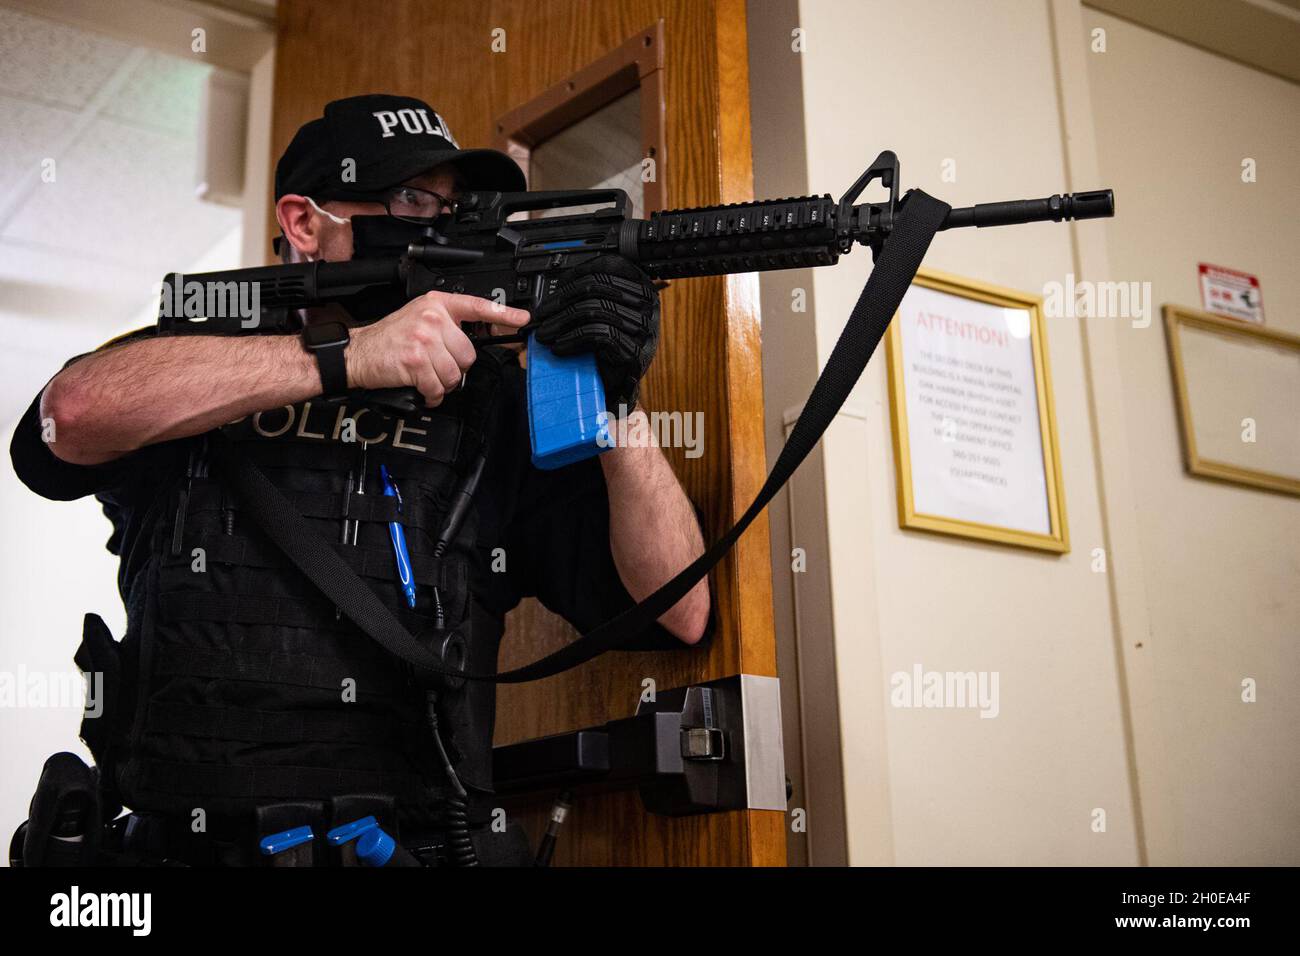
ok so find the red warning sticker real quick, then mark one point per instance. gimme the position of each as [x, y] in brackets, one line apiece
[1231, 293]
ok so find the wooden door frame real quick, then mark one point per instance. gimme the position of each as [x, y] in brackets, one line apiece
[711, 358]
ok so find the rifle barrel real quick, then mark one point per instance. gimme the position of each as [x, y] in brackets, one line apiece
[1097, 204]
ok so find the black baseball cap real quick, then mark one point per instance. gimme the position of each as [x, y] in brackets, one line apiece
[388, 139]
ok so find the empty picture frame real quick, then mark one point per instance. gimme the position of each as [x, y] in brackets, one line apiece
[1238, 396]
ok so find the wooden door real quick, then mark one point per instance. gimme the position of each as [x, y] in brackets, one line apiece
[475, 61]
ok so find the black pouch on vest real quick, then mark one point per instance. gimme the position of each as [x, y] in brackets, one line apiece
[98, 655]
[64, 821]
[509, 848]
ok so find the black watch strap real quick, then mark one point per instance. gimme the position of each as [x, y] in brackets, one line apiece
[328, 341]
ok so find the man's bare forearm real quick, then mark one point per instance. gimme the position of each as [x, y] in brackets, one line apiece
[124, 398]
[654, 534]
[115, 401]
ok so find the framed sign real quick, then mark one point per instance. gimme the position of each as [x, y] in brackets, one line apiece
[974, 428]
[1238, 389]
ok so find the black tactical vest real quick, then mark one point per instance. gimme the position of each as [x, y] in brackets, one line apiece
[242, 684]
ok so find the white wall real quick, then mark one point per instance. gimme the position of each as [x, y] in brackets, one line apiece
[946, 786]
[259, 169]
[1019, 788]
[54, 570]
[1222, 562]
[1119, 690]
[85, 276]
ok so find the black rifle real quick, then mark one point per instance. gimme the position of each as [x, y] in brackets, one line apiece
[479, 250]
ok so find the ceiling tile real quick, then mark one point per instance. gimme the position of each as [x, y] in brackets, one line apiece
[80, 256]
[30, 132]
[161, 91]
[127, 195]
[53, 62]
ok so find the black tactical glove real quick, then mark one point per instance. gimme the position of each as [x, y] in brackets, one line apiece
[610, 307]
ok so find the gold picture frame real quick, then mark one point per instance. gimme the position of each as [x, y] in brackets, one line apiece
[1057, 540]
[1176, 318]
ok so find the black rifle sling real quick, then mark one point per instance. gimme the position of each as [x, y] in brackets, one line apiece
[900, 257]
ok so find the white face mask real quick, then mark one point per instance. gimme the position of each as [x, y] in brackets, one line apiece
[328, 215]
[341, 222]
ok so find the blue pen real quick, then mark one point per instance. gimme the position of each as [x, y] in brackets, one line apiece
[398, 536]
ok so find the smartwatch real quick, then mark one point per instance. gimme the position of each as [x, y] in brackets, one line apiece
[327, 342]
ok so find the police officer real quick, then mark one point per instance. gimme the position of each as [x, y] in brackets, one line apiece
[241, 697]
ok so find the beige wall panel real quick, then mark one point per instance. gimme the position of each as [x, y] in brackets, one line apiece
[977, 96]
[1222, 562]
